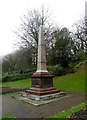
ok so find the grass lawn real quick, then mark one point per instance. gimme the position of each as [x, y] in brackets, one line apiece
[74, 82]
[69, 112]
[71, 82]
[20, 83]
[8, 117]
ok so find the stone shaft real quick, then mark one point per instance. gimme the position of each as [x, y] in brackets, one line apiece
[42, 80]
[41, 63]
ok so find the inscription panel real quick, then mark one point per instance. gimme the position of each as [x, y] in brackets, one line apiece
[47, 82]
[35, 82]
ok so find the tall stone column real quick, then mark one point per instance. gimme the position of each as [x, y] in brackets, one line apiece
[41, 63]
[42, 81]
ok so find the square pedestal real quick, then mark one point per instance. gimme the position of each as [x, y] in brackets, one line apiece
[42, 84]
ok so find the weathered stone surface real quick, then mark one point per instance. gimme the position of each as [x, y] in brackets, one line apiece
[40, 100]
[41, 64]
[42, 91]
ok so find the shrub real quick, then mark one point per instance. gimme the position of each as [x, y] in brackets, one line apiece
[15, 77]
[58, 70]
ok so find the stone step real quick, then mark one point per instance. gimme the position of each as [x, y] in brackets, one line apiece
[42, 89]
[41, 92]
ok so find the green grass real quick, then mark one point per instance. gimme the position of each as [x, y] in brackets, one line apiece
[69, 112]
[74, 82]
[71, 82]
[8, 117]
[19, 84]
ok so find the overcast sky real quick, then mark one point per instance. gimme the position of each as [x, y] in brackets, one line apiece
[65, 13]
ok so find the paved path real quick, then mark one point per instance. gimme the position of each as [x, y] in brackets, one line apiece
[20, 109]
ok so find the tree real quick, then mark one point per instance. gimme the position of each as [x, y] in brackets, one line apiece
[28, 31]
[8, 63]
[19, 60]
[79, 37]
[62, 48]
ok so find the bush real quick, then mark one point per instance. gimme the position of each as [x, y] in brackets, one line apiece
[15, 77]
[57, 70]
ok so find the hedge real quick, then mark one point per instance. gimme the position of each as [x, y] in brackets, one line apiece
[15, 77]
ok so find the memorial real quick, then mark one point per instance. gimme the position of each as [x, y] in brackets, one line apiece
[42, 90]
[42, 81]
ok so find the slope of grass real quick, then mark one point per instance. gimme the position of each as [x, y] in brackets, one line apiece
[69, 112]
[72, 82]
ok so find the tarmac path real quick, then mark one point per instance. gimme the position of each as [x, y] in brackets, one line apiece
[20, 109]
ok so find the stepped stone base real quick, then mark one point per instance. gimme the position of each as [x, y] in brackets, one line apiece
[40, 100]
[41, 91]
[46, 97]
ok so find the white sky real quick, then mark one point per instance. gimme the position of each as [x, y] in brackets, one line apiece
[65, 12]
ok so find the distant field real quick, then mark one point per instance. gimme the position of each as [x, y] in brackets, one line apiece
[72, 82]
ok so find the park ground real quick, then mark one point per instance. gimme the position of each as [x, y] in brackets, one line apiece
[73, 83]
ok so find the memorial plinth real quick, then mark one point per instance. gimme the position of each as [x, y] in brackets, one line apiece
[42, 81]
[42, 84]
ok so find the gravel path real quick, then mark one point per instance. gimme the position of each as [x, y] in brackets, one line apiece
[20, 109]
